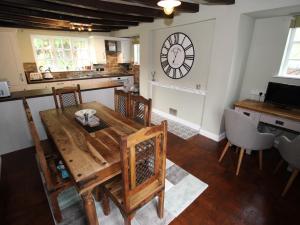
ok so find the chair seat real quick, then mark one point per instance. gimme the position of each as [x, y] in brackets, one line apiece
[115, 188]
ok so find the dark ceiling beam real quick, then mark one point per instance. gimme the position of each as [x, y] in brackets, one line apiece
[73, 11]
[218, 2]
[184, 7]
[24, 25]
[57, 23]
[111, 7]
[55, 16]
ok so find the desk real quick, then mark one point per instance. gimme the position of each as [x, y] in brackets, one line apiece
[91, 158]
[270, 114]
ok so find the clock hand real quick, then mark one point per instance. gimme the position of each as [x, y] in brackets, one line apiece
[175, 56]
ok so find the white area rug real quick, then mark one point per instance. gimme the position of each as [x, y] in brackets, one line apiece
[182, 189]
[174, 127]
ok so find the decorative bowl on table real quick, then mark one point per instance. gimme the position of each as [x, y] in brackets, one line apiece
[87, 117]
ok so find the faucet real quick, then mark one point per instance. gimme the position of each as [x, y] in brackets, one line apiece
[41, 68]
[48, 70]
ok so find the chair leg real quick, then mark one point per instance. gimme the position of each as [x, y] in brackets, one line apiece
[224, 151]
[55, 207]
[290, 182]
[279, 165]
[127, 219]
[260, 159]
[98, 193]
[242, 152]
[160, 206]
[105, 204]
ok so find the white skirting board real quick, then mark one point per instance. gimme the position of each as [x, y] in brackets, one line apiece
[210, 135]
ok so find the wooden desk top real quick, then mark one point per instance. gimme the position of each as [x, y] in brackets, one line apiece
[88, 154]
[269, 109]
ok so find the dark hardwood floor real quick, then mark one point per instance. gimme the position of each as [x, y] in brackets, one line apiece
[253, 198]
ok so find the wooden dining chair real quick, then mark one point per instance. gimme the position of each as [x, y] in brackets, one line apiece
[143, 159]
[122, 101]
[55, 184]
[67, 96]
[140, 109]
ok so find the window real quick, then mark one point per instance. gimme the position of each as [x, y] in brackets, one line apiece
[290, 65]
[61, 53]
[136, 54]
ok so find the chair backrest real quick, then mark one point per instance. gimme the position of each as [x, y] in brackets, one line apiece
[143, 156]
[122, 101]
[240, 129]
[38, 147]
[140, 109]
[68, 96]
[290, 150]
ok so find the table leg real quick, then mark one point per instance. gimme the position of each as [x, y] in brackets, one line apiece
[90, 208]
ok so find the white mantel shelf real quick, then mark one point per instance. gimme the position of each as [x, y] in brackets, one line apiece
[177, 88]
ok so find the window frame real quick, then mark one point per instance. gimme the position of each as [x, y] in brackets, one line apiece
[285, 59]
[137, 62]
[51, 38]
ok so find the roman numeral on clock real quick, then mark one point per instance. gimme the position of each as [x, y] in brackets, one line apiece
[188, 47]
[176, 38]
[186, 66]
[168, 70]
[164, 64]
[163, 56]
[174, 73]
[170, 40]
[189, 57]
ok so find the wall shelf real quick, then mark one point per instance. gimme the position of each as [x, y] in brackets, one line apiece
[177, 88]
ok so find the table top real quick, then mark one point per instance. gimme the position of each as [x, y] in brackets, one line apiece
[88, 154]
[263, 107]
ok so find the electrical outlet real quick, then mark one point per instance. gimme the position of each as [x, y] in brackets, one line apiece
[173, 111]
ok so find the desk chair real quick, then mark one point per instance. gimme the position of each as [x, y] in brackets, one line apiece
[290, 152]
[242, 132]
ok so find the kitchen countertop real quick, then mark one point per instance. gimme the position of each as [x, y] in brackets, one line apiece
[100, 75]
[47, 92]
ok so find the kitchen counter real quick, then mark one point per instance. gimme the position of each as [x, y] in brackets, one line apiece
[93, 75]
[47, 92]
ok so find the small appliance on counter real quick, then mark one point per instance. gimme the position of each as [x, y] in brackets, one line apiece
[4, 89]
[48, 75]
[35, 76]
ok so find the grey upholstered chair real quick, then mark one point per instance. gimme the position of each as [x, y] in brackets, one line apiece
[242, 132]
[290, 152]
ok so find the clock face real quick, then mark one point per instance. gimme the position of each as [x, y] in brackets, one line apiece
[177, 55]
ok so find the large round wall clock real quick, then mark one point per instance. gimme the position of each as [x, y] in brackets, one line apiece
[177, 55]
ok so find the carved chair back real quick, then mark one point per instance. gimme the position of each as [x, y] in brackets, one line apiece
[68, 96]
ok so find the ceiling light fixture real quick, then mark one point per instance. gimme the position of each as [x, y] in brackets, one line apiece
[81, 27]
[169, 5]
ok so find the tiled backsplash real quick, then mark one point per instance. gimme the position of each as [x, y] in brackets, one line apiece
[111, 66]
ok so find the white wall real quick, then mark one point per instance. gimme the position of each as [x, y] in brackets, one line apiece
[266, 51]
[225, 64]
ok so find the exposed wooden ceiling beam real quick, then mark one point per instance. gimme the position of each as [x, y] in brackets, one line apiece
[111, 7]
[50, 22]
[217, 2]
[57, 23]
[73, 11]
[184, 7]
[55, 16]
[24, 25]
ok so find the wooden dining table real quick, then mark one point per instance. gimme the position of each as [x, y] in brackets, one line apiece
[91, 157]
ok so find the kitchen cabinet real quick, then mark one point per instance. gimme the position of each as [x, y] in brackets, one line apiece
[10, 63]
[97, 50]
[125, 54]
